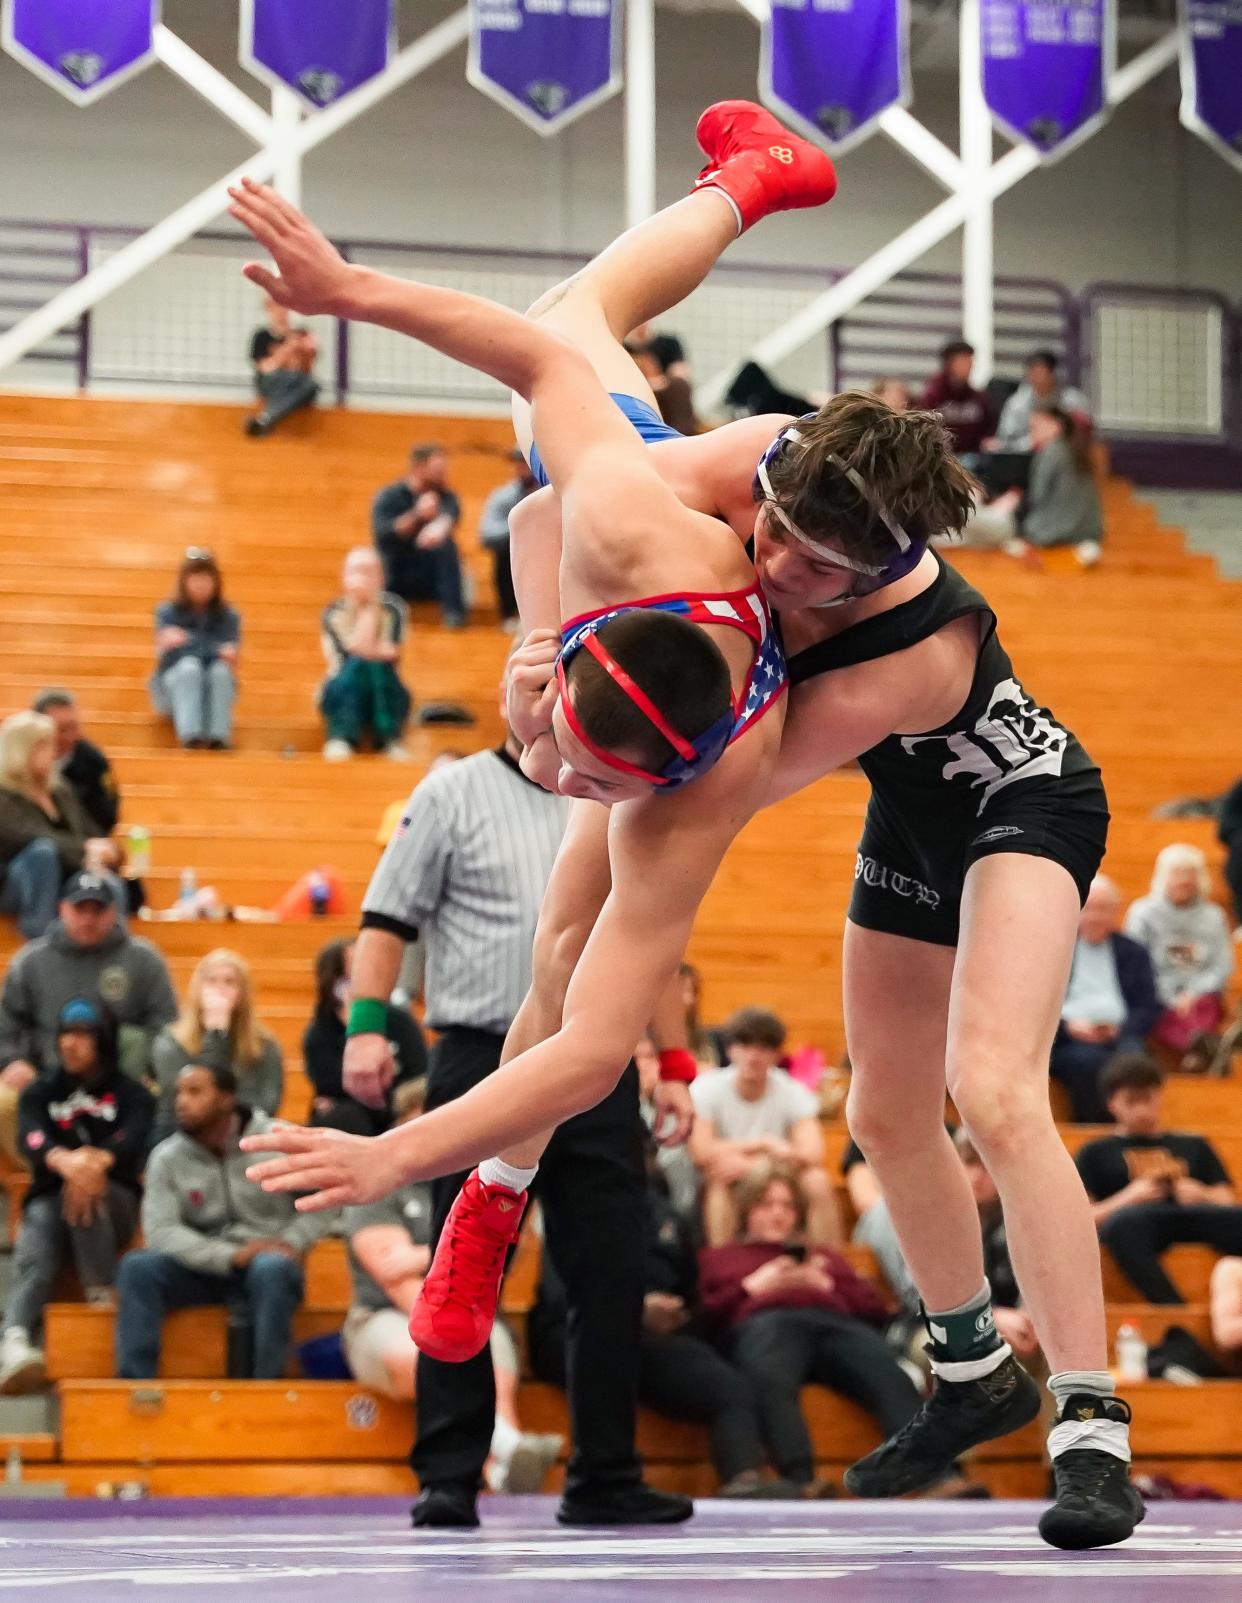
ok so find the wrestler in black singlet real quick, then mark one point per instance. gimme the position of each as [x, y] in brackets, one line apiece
[1001, 776]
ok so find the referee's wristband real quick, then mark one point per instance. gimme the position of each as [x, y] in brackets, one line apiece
[367, 1016]
[678, 1064]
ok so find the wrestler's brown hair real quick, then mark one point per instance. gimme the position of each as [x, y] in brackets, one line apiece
[906, 460]
[673, 662]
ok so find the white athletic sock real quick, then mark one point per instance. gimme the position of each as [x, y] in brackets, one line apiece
[496, 1172]
[1105, 1435]
[725, 196]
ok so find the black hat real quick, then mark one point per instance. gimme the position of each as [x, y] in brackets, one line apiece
[88, 887]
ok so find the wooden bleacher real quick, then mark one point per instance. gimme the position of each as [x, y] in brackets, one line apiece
[100, 499]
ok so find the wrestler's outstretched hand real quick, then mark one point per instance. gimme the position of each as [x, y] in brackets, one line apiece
[313, 273]
[333, 1169]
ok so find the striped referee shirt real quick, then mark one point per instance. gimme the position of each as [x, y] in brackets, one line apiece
[467, 869]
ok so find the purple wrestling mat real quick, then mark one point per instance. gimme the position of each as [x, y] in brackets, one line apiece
[363, 1551]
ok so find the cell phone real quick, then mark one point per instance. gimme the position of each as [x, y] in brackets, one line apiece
[796, 1250]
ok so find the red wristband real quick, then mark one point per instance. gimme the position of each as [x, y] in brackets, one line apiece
[678, 1064]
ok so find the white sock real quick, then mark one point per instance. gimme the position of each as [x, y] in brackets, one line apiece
[496, 1172]
[725, 196]
[1105, 1435]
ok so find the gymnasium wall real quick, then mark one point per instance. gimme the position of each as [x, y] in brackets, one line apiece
[440, 163]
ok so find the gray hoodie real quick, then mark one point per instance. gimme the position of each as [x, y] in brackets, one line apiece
[199, 1208]
[124, 971]
[1189, 947]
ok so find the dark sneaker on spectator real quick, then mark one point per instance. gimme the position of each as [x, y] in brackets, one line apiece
[1096, 1504]
[751, 1485]
[957, 1416]
[628, 1505]
[445, 1508]
[257, 425]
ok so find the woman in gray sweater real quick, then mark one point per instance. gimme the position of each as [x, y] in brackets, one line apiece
[1061, 505]
[217, 1029]
[1187, 938]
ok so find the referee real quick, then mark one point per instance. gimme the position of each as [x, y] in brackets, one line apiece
[466, 870]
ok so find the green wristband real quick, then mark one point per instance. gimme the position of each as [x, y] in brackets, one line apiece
[367, 1016]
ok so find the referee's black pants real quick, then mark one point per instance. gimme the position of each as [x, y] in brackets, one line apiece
[592, 1187]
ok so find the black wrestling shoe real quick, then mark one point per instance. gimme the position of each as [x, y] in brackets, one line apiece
[445, 1508]
[628, 1505]
[958, 1415]
[1096, 1502]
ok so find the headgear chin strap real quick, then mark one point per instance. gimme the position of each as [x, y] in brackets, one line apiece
[872, 576]
[693, 757]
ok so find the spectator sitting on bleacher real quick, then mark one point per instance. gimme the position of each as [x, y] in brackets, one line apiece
[1110, 1004]
[751, 1112]
[494, 536]
[412, 524]
[217, 1028]
[323, 1049]
[1039, 389]
[706, 1043]
[1229, 831]
[85, 952]
[1061, 504]
[212, 1236]
[966, 411]
[84, 1131]
[43, 828]
[681, 1375]
[197, 635]
[282, 359]
[1226, 1311]
[1187, 938]
[791, 1314]
[389, 1254]
[363, 696]
[1152, 1187]
[80, 763]
[673, 395]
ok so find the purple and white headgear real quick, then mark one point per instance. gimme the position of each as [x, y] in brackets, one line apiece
[906, 556]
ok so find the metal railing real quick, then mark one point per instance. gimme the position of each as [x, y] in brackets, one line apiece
[1158, 364]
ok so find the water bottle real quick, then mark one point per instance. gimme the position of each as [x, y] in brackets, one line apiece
[139, 850]
[1131, 1354]
[319, 892]
[189, 885]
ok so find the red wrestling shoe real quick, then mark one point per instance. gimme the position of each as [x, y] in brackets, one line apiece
[453, 1316]
[759, 164]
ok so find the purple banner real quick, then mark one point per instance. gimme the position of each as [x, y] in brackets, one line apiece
[321, 48]
[1211, 48]
[82, 47]
[831, 67]
[1046, 66]
[547, 61]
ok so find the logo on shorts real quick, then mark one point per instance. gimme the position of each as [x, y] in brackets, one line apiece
[985, 1324]
[997, 832]
[1013, 739]
[882, 878]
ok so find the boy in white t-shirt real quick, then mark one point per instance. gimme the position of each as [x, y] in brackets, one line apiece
[754, 1111]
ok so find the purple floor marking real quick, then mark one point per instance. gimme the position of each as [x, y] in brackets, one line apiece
[325, 1551]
